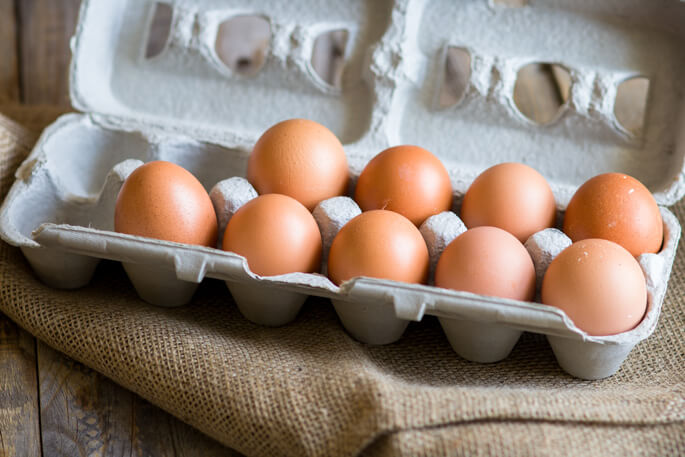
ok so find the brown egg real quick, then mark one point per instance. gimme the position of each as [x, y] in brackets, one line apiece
[301, 159]
[599, 285]
[379, 244]
[487, 261]
[276, 234]
[406, 179]
[163, 200]
[618, 208]
[511, 196]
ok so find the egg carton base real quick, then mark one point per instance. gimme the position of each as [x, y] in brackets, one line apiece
[369, 321]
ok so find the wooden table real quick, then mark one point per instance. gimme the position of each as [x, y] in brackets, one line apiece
[50, 404]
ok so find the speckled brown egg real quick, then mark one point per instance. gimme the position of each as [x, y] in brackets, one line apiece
[406, 179]
[165, 201]
[379, 244]
[487, 261]
[299, 158]
[511, 196]
[599, 285]
[618, 208]
[276, 234]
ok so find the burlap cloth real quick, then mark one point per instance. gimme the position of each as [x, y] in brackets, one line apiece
[310, 389]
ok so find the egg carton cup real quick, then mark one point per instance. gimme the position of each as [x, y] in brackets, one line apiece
[185, 105]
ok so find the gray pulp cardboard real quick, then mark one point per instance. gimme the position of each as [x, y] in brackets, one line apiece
[186, 106]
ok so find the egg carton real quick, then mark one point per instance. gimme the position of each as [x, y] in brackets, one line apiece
[186, 106]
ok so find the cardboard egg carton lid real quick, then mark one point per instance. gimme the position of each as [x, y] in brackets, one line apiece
[395, 61]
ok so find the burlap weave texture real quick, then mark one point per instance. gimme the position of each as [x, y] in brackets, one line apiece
[310, 389]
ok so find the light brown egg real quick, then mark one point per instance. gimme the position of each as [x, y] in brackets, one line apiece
[299, 158]
[379, 244]
[165, 201]
[511, 196]
[406, 179]
[599, 285]
[276, 234]
[618, 208]
[487, 261]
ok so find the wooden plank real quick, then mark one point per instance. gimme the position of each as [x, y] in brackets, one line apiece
[85, 414]
[160, 434]
[19, 426]
[9, 74]
[81, 414]
[19, 414]
[45, 27]
[33, 118]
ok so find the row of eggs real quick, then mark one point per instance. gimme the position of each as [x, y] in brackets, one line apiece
[298, 163]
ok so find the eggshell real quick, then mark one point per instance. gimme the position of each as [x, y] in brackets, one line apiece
[599, 285]
[487, 261]
[379, 244]
[406, 179]
[276, 234]
[165, 201]
[618, 208]
[299, 158]
[511, 196]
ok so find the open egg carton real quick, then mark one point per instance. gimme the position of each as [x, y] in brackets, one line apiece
[187, 102]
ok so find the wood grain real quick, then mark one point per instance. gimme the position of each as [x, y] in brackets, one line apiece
[9, 74]
[45, 27]
[19, 427]
[19, 413]
[85, 414]
[160, 434]
[80, 414]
